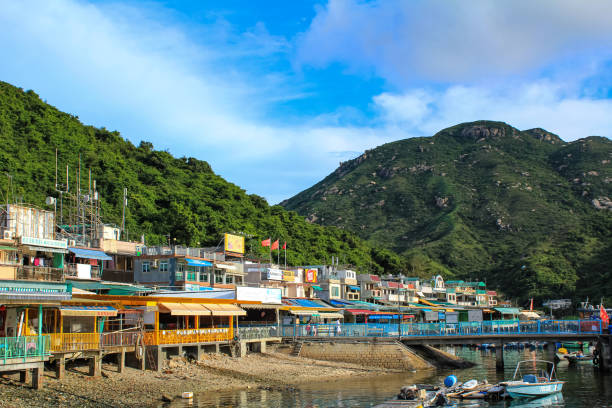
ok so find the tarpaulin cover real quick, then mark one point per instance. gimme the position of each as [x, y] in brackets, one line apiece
[90, 254]
[197, 262]
[507, 310]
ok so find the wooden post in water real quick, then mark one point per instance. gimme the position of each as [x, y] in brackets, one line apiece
[499, 356]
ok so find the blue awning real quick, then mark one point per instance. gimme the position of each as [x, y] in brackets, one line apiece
[197, 262]
[90, 254]
[353, 287]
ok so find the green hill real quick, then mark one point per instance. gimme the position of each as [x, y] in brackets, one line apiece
[181, 197]
[524, 210]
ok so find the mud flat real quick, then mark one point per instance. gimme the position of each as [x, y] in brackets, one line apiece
[136, 388]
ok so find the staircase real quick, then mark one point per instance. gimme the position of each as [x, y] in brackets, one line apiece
[297, 349]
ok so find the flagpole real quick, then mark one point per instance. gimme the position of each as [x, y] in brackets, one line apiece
[285, 255]
[270, 248]
[278, 256]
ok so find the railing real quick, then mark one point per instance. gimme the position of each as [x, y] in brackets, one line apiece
[74, 342]
[42, 273]
[23, 348]
[257, 332]
[71, 270]
[122, 338]
[496, 327]
[187, 336]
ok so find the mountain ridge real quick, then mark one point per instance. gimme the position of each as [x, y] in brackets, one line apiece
[480, 199]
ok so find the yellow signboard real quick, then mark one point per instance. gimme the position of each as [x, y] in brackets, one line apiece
[289, 276]
[234, 243]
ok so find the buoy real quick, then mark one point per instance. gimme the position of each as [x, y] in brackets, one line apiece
[450, 381]
[188, 395]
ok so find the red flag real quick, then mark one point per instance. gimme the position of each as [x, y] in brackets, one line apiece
[274, 245]
[265, 242]
[285, 245]
[603, 315]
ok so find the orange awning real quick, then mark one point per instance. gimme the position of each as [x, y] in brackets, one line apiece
[224, 309]
[184, 309]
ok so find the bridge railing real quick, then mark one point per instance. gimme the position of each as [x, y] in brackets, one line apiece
[495, 327]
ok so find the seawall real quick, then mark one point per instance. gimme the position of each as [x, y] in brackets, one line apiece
[390, 355]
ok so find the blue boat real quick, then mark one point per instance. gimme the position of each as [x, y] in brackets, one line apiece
[531, 381]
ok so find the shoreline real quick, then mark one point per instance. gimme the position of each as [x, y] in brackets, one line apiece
[214, 373]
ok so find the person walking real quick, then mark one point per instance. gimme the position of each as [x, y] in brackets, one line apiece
[338, 327]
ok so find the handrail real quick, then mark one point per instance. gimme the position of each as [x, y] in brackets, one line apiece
[23, 348]
[495, 327]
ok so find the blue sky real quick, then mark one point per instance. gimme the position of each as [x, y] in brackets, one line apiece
[274, 94]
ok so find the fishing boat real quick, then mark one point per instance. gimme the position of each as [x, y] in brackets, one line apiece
[531, 381]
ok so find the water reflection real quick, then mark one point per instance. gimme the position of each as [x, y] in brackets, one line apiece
[585, 387]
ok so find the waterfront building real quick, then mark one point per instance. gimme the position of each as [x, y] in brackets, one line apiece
[180, 268]
[290, 281]
[371, 288]
[349, 289]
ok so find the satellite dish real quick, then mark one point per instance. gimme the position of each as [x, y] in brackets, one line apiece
[50, 200]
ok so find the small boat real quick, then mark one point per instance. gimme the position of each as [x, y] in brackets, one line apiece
[563, 358]
[528, 382]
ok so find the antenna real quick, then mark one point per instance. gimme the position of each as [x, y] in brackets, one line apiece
[124, 207]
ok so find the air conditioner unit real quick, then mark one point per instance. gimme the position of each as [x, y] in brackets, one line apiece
[7, 235]
[72, 242]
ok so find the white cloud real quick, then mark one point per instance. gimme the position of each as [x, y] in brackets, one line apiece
[205, 91]
[447, 40]
[550, 105]
[143, 74]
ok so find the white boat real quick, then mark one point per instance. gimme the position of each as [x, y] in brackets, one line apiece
[530, 381]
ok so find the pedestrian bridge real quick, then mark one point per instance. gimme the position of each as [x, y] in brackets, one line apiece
[496, 331]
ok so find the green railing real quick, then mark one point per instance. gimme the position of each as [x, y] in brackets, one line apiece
[23, 348]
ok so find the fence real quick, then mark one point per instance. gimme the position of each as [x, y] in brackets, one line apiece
[120, 338]
[187, 336]
[41, 273]
[23, 347]
[73, 342]
[443, 329]
[257, 332]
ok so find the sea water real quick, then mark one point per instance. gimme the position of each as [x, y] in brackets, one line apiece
[585, 387]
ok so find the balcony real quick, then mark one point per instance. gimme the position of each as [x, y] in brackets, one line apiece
[187, 336]
[83, 271]
[15, 350]
[39, 273]
[73, 342]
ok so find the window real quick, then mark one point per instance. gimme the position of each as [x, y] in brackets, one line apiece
[179, 276]
[180, 267]
[218, 277]
[163, 266]
[229, 279]
[191, 276]
[335, 291]
[203, 275]
[146, 267]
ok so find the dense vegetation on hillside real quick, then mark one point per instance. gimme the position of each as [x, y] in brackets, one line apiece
[172, 197]
[524, 210]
